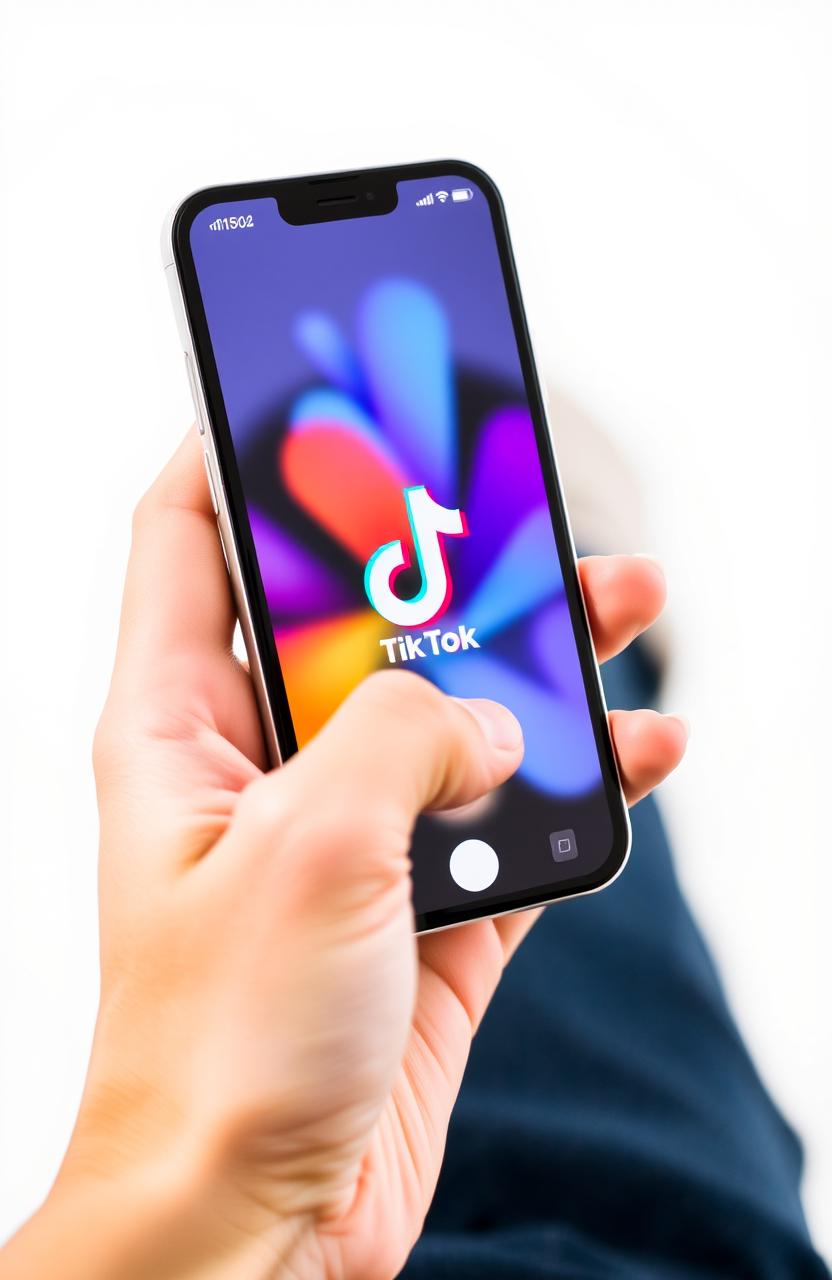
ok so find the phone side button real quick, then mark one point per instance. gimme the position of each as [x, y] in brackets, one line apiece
[212, 488]
[200, 419]
[224, 551]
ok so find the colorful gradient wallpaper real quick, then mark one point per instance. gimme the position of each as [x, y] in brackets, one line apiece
[373, 387]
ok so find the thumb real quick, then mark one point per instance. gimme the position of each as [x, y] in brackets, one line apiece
[395, 747]
[398, 743]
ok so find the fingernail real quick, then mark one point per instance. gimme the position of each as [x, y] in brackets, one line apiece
[683, 721]
[501, 728]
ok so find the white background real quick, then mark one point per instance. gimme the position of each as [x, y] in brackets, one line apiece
[666, 172]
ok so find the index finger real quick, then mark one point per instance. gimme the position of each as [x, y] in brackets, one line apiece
[177, 603]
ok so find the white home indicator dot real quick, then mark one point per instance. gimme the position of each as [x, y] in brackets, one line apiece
[474, 865]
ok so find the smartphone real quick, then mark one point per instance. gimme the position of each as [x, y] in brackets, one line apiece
[385, 487]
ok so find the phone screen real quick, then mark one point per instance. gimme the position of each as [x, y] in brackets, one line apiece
[398, 486]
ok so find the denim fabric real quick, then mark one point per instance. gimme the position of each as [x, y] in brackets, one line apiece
[611, 1122]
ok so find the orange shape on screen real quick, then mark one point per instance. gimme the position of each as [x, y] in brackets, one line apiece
[322, 662]
[348, 483]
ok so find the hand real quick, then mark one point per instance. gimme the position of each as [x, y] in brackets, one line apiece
[276, 1057]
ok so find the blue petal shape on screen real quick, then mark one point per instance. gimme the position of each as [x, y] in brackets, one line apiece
[327, 349]
[524, 575]
[404, 344]
[333, 408]
[324, 404]
[560, 757]
[505, 485]
[295, 583]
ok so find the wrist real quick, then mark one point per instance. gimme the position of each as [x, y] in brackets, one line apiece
[169, 1219]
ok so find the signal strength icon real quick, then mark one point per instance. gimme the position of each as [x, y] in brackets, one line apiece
[431, 198]
[215, 225]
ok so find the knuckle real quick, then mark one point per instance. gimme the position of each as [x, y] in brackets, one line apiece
[404, 693]
[114, 743]
[424, 722]
[411, 711]
[262, 806]
[340, 855]
[414, 710]
[144, 510]
[342, 827]
[104, 744]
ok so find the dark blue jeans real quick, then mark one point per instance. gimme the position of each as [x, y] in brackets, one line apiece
[611, 1122]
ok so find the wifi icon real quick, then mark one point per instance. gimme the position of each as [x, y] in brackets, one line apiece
[431, 198]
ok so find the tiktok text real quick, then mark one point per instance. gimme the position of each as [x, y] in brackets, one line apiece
[406, 648]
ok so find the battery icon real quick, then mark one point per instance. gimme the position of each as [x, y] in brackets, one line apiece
[462, 193]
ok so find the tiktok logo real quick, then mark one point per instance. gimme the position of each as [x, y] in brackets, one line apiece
[428, 520]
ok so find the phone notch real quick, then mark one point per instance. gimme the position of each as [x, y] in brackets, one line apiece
[335, 197]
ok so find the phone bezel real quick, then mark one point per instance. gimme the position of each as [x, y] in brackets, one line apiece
[275, 690]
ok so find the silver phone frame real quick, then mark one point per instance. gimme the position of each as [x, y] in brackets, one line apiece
[222, 510]
[238, 588]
